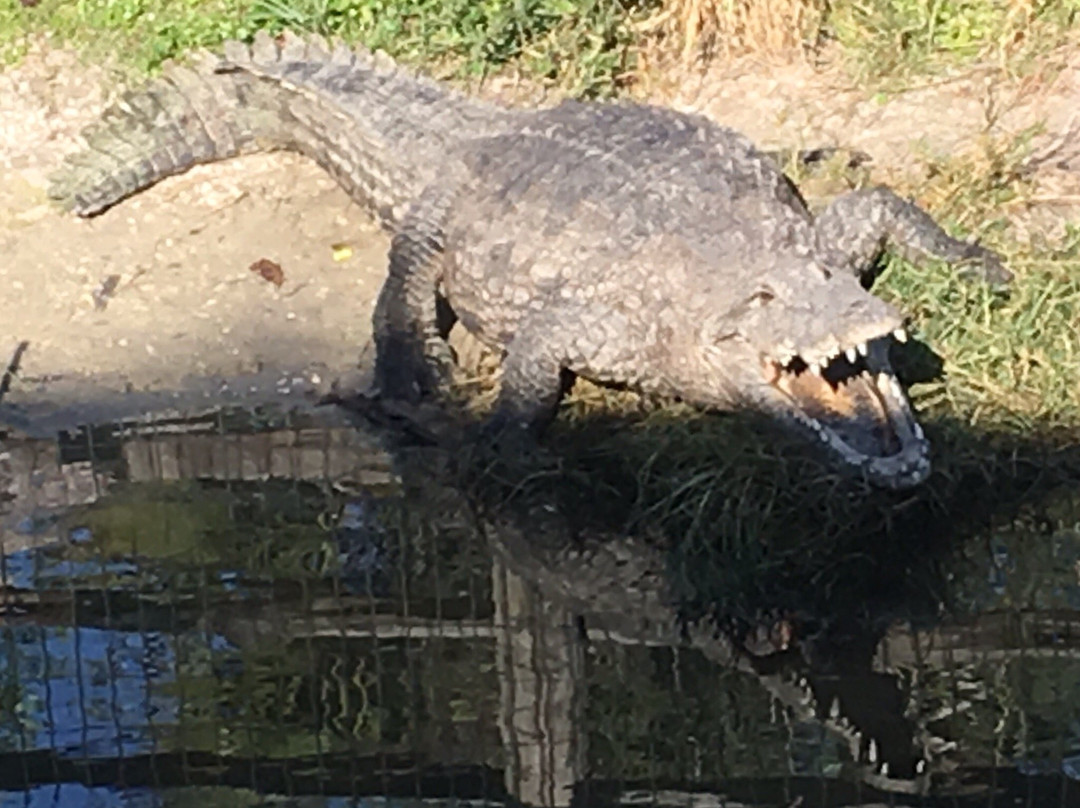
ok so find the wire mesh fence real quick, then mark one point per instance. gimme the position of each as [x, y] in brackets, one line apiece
[254, 607]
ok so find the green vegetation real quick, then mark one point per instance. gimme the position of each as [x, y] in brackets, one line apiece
[139, 34]
[585, 48]
[1012, 360]
[891, 40]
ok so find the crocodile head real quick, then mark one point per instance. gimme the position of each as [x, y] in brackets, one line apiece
[810, 347]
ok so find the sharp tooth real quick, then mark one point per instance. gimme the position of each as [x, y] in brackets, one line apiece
[871, 753]
[815, 368]
[920, 767]
[884, 769]
[918, 431]
[900, 335]
[851, 355]
[861, 348]
[834, 710]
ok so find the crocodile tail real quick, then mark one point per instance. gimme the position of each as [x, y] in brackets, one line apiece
[379, 130]
[187, 116]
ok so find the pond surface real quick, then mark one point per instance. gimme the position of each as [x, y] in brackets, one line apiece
[243, 608]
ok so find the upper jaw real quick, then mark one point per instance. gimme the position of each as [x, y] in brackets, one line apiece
[828, 349]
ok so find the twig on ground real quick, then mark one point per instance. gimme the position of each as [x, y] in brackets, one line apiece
[12, 368]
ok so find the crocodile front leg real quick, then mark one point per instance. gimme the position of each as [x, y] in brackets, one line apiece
[533, 381]
[856, 227]
[412, 359]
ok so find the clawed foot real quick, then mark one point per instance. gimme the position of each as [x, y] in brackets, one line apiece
[983, 264]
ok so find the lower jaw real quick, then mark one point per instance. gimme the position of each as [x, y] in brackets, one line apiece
[911, 475]
[902, 469]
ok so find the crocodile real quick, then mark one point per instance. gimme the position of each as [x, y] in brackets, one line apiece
[625, 243]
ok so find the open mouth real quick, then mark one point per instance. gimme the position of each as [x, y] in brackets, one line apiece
[853, 403]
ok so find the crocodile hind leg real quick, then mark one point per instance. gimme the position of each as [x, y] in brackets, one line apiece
[855, 228]
[412, 357]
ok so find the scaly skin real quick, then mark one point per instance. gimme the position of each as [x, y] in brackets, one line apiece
[379, 130]
[625, 243]
[646, 247]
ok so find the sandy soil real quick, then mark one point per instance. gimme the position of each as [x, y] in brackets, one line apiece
[189, 323]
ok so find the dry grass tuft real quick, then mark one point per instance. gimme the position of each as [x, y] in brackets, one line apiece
[732, 28]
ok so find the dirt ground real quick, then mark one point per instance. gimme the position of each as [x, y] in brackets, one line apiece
[188, 323]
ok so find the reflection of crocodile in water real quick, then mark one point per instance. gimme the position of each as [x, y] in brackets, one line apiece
[621, 588]
[629, 244]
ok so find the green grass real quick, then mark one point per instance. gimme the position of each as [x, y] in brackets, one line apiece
[890, 42]
[584, 48]
[137, 34]
[1013, 361]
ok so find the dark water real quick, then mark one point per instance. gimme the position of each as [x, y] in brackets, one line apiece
[230, 610]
